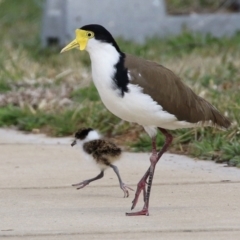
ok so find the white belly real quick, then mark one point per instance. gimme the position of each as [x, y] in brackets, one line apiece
[134, 106]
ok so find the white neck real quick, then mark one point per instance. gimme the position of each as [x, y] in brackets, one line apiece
[92, 135]
[103, 58]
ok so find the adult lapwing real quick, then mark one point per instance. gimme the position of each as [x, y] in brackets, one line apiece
[103, 152]
[144, 92]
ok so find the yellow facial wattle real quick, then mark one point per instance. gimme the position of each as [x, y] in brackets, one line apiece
[81, 40]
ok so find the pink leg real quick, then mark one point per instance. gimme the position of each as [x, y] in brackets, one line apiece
[149, 174]
[142, 183]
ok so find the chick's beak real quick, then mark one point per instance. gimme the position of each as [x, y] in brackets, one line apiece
[74, 143]
[80, 41]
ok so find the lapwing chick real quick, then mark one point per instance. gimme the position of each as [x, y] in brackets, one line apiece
[144, 92]
[103, 153]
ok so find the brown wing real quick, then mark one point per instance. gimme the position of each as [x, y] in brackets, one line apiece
[171, 93]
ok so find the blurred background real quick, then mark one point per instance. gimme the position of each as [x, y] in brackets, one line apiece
[42, 91]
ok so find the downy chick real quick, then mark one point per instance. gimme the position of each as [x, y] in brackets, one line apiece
[103, 152]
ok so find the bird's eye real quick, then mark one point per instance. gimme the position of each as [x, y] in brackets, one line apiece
[90, 34]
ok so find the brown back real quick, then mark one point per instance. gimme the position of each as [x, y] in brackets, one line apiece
[171, 93]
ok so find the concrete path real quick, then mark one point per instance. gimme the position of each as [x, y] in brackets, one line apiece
[190, 199]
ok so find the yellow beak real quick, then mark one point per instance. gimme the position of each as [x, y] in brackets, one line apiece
[80, 41]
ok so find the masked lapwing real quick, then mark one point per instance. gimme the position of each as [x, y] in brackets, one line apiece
[103, 152]
[144, 92]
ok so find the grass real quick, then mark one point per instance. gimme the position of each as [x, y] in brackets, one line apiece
[51, 92]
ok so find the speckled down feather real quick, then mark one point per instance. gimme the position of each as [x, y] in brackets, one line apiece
[102, 151]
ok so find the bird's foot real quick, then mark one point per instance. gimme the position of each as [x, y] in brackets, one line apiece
[143, 212]
[81, 184]
[125, 188]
